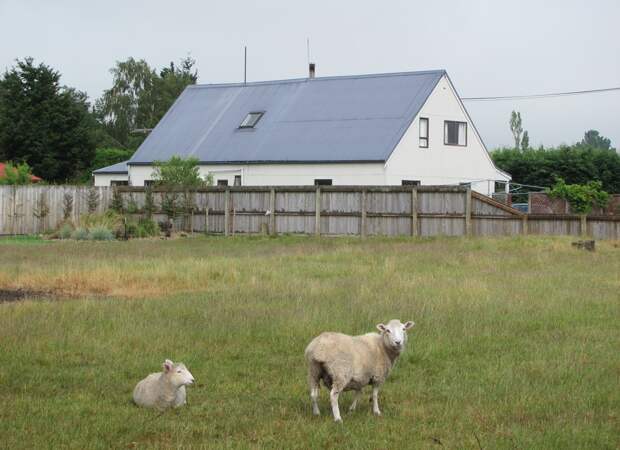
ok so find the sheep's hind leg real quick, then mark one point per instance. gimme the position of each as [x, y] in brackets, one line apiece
[313, 381]
[356, 397]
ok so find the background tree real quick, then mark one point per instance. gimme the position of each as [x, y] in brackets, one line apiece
[516, 128]
[139, 97]
[592, 138]
[576, 164]
[525, 141]
[44, 124]
[129, 103]
[105, 157]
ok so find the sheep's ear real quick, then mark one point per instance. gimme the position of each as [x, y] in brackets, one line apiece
[409, 324]
[167, 365]
[381, 327]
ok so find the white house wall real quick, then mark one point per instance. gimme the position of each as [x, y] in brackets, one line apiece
[439, 163]
[106, 179]
[281, 174]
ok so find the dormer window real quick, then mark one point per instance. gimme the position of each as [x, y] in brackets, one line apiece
[251, 119]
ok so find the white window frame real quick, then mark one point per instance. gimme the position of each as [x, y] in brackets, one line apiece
[459, 143]
[424, 138]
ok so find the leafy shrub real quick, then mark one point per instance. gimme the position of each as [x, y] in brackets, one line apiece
[16, 174]
[100, 233]
[65, 231]
[80, 234]
[581, 197]
[576, 164]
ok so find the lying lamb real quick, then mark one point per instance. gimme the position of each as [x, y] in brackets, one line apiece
[165, 389]
[351, 362]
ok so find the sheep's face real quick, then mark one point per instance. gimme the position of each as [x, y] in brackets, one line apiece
[178, 373]
[395, 334]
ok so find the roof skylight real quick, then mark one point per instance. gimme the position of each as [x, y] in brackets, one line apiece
[251, 119]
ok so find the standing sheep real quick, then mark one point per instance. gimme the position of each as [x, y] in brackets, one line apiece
[165, 389]
[346, 363]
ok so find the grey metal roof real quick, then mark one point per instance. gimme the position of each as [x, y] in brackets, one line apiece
[117, 168]
[331, 119]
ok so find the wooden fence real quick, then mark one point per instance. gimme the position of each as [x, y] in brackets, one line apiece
[324, 210]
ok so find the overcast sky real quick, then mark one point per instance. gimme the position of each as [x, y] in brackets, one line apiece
[489, 47]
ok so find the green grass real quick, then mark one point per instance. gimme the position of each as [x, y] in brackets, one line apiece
[27, 239]
[516, 343]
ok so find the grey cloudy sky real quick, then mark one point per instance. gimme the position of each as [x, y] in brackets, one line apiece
[489, 47]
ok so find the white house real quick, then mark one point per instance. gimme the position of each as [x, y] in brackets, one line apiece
[387, 129]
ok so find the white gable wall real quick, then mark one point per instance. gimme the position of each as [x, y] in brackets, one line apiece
[439, 163]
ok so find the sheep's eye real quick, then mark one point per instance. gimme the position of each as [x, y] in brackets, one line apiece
[387, 330]
[178, 371]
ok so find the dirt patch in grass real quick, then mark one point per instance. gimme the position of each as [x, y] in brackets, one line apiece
[15, 295]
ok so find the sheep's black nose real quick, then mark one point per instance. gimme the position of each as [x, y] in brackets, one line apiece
[397, 342]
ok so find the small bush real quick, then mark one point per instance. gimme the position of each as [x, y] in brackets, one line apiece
[80, 234]
[142, 229]
[65, 231]
[131, 228]
[109, 219]
[147, 228]
[100, 233]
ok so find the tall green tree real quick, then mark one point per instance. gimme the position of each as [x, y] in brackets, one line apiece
[593, 138]
[129, 103]
[139, 97]
[43, 123]
[525, 141]
[516, 127]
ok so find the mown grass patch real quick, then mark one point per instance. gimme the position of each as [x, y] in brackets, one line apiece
[515, 345]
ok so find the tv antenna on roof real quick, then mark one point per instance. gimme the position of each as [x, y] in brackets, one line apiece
[245, 64]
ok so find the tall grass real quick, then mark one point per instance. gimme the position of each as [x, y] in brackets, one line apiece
[515, 345]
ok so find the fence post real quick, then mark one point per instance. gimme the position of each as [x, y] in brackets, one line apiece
[363, 219]
[468, 212]
[206, 219]
[414, 212]
[524, 227]
[272, 209]
[317, 214]
[226, 211]
[232, 226]
[583, 228]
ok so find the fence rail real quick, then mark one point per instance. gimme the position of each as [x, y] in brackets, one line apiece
[324, 210]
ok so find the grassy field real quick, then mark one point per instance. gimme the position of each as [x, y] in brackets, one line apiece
[516, 344]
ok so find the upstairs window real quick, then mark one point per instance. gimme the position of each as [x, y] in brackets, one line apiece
[455, 133]
[222, 182]
[251, 119]
[423, 132]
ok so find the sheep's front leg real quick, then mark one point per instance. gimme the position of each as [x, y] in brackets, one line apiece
[356, 397]
[375, 401]
[333, 396]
